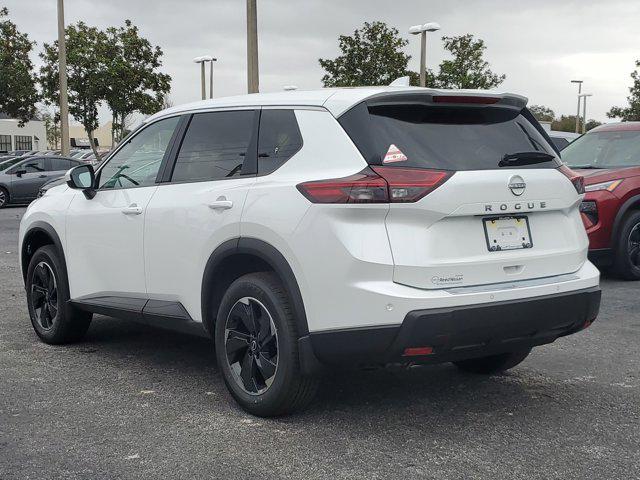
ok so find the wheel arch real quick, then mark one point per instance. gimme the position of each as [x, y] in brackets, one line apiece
[38, 235]
[237, 257]
[632, 203]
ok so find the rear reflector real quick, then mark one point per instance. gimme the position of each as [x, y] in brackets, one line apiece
[576, 179]
[417, 351]
[465, 99]
[377, 184]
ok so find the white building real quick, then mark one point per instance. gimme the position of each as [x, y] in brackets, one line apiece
[32, 136]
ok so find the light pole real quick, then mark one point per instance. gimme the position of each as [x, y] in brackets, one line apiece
[211, 77]
[422, 30]
[579, 82]
[62, 68]
[252, 47]
[202, 60]
[584, 110]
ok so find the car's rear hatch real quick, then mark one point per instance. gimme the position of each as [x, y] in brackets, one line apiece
[483, 223]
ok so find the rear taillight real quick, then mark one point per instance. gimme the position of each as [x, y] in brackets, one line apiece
[576, 179]
[376, 185]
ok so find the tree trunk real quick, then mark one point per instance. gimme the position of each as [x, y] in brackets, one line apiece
[93, 145]
[114, 122]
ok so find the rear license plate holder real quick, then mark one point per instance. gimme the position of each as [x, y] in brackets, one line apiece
[508, 232]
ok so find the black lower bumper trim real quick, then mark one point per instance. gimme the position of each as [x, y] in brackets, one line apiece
[461, 332]
[602, 257]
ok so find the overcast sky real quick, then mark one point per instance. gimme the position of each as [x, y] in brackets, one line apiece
[540, 45]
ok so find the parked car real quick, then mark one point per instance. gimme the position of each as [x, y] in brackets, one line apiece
[22, 178]
[20, 153]
[309, 230]
[609, 159]
[562, 139]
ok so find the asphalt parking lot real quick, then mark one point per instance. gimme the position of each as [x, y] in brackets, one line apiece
[135, 402]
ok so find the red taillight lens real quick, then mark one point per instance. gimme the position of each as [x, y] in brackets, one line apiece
[380, 185]
[363, 187]
[411, 184]
[577, 180]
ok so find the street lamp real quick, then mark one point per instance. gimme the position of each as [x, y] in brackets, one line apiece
[422, 30]
[202, 60]
[62, 72]
[252, 47]
[579, 82]
[584, 110]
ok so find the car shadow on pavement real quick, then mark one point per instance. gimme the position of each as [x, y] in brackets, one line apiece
[187, 363]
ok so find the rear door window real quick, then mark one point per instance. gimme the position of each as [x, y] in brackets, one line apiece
[35, 165]
[447, 138]
[279, 139]
[60, 164]
[214, 146]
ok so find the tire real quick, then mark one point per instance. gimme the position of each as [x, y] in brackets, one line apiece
[53, 319]
[626, 263]
[259, 359]
[494, 363]
[4, 197]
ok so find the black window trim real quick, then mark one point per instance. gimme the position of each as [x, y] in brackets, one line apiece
[251, 157]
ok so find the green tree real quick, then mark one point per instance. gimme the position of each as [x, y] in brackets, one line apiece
[86, 73]
[132, 80]
[591, 124]
[630, 113]
[468, 68]
[18, 94]
[542, 113]
[52, 127]
[371, 56]
[566, 123]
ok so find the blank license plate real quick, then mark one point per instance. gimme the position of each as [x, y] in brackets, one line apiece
[507, 233]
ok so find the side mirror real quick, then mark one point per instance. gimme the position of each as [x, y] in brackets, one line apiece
[82, 178]
[20, 172]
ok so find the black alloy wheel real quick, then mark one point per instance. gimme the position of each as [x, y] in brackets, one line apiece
[633, 246]
[251, 345]
[44, 296]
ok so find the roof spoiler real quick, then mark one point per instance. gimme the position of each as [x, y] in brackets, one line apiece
[450, 97]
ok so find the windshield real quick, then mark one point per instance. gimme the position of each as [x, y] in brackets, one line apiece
[449, 138]
[8, 163]
[604, 150]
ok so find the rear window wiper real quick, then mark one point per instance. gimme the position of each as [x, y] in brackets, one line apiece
[525, 158]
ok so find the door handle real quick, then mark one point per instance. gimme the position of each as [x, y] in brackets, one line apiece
[132, 209]
[221, 204]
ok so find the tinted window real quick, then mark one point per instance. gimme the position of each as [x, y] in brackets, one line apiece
[60, 164]
[449, 138]
[560, 142]
[9, 163]
[34, 165]
[604, 150]
[214, 146]
[279, 139]
[137, 163]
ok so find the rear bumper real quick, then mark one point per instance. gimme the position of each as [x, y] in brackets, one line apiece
[457, 333]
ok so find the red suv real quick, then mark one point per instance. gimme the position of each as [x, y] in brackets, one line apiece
[609, 159]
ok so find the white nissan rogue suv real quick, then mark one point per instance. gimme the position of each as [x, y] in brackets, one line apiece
[338, 227]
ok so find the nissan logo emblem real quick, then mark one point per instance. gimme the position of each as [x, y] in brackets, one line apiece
[516, 185]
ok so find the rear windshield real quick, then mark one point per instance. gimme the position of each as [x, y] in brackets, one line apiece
[604, 150]
[448, 138]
